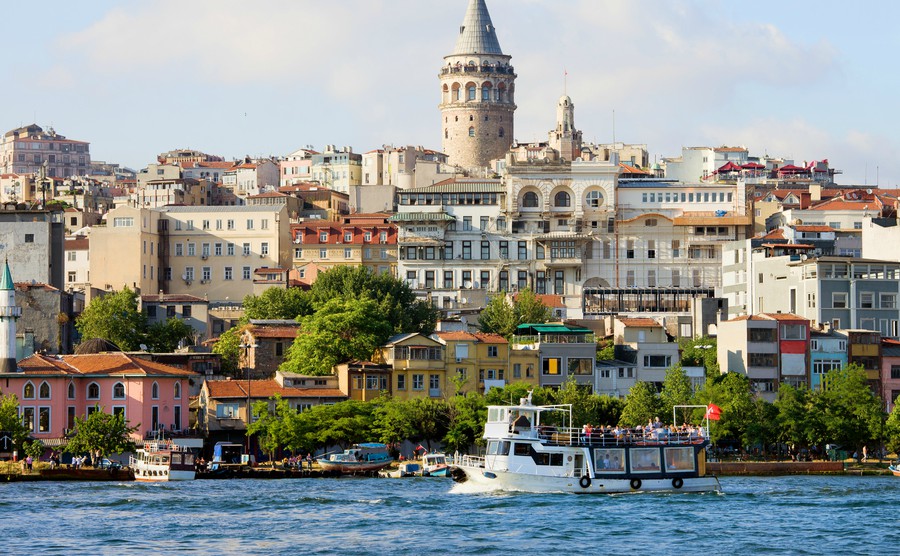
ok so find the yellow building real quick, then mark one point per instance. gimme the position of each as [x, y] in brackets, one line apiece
[419, 370]
[484, 361]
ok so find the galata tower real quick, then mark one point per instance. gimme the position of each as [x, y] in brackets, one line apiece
[477, 94]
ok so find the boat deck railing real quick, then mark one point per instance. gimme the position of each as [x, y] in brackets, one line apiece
[467, 461]
[565, 436]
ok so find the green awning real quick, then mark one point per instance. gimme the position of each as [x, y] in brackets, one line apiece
[553, 329]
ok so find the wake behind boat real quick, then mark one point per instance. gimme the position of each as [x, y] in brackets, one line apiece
[524, 455]
[361, 458]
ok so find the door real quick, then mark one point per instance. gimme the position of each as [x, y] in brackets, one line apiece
[579, 465]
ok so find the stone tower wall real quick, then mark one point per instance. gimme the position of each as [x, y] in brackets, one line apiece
[491, 118]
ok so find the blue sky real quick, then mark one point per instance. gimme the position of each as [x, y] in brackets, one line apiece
[804, 80]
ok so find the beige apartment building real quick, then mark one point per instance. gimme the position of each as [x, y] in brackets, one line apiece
[209, 252]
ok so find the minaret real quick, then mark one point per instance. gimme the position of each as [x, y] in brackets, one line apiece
[565, 138]
[477, 94]
[9, 312]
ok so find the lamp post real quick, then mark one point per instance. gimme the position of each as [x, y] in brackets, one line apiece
[246, 346]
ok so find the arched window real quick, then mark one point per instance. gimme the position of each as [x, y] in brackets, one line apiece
[486, 91]
[93, 391]
[530, 200]
[502, 132]
[28, 391]
[471, 132]
[71, 391]
[446, 133]
[118, 392]
[177, 390]
[44, 391]
[154, 391]
[562, 199]
[594, 198]
[455, 94]
[471, 91]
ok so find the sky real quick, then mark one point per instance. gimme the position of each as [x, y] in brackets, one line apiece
[805, 80]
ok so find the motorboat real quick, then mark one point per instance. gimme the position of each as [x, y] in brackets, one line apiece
[360, 458]
[536, 449]
[161, 461]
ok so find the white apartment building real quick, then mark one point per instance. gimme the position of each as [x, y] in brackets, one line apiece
[252, 178]
[78, 264]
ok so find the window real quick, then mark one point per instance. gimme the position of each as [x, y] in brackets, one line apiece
[530, 200]
[485, 250]
[467, 250]
[28, 418]
[888, 300]
[44, 391]
[70, 391]
[839, 300]
[227, 411]
[504, 250]
[177, 390]
[551, 366]
[401, 382]
[562, 199]
[657, 361]
[348, 253]
[118, 391]
[793, 332]
[43, 419]
[523, 250]
[581, 366]
[822, 366]
[418, 382]
[93, 391]
[492, 351]
[154, 391]
[761, 360]
[217, 249]
[471, 131]
[264, 249]
[206, 273]
[249, 224]
[229, 224]
[229, 273]
[517, 370]
[594, 198]
[245, 273]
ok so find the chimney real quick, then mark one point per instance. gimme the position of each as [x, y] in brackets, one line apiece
[804, 200]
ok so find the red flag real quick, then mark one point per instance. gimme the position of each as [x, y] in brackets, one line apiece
[419, 447]
[713, 412]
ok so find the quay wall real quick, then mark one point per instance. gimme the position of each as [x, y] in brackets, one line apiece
[774, 467]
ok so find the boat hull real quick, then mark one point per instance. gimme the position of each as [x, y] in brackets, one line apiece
[148, 476]
[522, 482]
[895, 469]
[352, 468]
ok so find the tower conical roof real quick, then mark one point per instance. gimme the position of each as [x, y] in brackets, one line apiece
[6, 283]
[477, 34]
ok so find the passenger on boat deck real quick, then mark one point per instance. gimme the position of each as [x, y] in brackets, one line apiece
[587, 430]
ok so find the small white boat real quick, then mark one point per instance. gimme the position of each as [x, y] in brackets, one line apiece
[361, 458]
[160, 461]
[435, 465]
[406, 469]
[523, 455]
[895, 469]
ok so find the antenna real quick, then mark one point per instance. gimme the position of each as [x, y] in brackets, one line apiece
[614, 128]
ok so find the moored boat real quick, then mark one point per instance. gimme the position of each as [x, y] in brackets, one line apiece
[435, 465]
[160, 461]
[360, 458]
[895, 469]
[524, 455]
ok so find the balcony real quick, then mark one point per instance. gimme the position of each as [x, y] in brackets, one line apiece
[553, 339]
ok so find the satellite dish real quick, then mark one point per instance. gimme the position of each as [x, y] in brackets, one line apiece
[184, 276]
[143, 347]
[869, 191]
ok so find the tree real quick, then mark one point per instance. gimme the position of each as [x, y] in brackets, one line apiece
[676, 390]
[397, 303]
[501, 316]
[166, 336]
[851, 414]
[227, 346]
[116, 318]
[278, 303]
[497, 317]
[641, 405]
[269, 426]
[466, 416]
[35, 449]
[701, 352]
[393, 421]
[429, 418]
[11, 422]
[795, 416]
[892, 430]
[340, 330]
[101, 434]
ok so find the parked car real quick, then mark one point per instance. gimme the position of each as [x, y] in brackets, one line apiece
[107, 463]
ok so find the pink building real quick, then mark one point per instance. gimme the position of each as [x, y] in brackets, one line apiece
[52, 391]
[890, 373]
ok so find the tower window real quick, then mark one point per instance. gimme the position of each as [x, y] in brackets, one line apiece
[562, 199]
[530, 199]
[471, 92]
[456, 118]
[446, 134]
[502, 132]
[471, 118]
[472, 131]
[486, 118]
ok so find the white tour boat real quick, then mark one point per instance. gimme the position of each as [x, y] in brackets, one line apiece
[524, 455]
[161, 460]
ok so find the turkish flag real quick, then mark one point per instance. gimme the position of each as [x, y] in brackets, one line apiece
[713, 412]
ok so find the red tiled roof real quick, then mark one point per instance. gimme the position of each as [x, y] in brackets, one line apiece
[784, 316]
[490, 338]
[788, 245]
[24, 286]
[775, 234]
[275, 331]
[266, 389]
[456, 336]
[639, 322]
[78, 244]
[101, 364]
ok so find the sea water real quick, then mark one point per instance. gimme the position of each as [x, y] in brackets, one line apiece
[755, 515]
